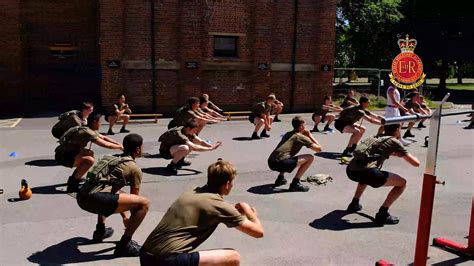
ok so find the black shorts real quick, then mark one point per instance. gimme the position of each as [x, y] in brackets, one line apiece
[339, 125]
[287, 165]
[165, 154]
[66, 158]
[178, 259]
[373, 177]
[323, 117]
[252, 118]
[103, 203]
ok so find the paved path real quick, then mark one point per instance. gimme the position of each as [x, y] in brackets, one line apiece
[300, 228]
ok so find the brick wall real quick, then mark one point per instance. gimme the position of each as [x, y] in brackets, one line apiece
[185, 32]
[10, 56]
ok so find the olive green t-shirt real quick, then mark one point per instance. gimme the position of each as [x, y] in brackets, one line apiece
[352, 114]
[260, 109]
[384, 149]
[320, 110]
[290, 144]
[182, 115]
[190, 220]
[348, 101]
[78, 140]
[127, 173]
[174, 136]
[70, 121]
[118, 107]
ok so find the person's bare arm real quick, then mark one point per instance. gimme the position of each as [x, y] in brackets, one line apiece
[372, 120]
[197, 147]
[109, 145]
[411, 159]
[252, 225]
[108, 139]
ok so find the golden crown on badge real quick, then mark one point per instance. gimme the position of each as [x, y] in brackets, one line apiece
[407, 45]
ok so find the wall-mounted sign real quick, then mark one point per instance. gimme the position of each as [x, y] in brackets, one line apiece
[191, 65]
[325, 67]
[113, 63]
[407, 68]
[262, 66]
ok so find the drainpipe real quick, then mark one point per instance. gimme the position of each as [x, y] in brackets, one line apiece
[293, 56]
[153, 52]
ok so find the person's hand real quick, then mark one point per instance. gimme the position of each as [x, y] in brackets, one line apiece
[125, 221]
[306, 132]
[121, 147]
[215, 146]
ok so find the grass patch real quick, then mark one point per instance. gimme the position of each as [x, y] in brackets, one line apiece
[466, 87]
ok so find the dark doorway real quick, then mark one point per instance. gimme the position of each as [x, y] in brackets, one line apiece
[61, 54]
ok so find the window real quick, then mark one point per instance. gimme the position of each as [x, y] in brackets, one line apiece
[225, 46]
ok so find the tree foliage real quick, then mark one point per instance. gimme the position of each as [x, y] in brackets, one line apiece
[367, 31]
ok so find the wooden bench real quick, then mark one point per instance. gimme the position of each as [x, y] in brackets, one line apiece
[152, 116]
[236, 113]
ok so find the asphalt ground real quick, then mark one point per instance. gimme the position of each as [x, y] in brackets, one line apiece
[300, 228]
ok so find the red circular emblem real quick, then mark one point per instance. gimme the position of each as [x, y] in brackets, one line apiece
[407, 67]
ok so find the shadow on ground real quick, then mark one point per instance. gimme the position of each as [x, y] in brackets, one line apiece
[68, 252]
[329, 155]
[164, 172]
[242, 138]
[51, 189]
[158, 156]
[42, 163]
[335, 221]
[266, 189]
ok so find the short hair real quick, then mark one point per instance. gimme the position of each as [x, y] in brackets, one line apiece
[296, 122]
[86, 105]
[271, 97]
[190, 124]
[120, 95]
[192, 100]
[390, 130]
[202, 100]
[219, 173]
[363, 99]
[92, 118]
[131, 142]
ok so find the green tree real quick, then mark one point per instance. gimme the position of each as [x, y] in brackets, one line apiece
[367, 32]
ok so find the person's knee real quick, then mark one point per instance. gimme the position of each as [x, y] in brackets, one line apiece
[260, 121]
[233, 257]
[403, 182]
[362, 130]
[126, 117]
[185, 148]
[145, 204]
[309, 159]
[88, 161]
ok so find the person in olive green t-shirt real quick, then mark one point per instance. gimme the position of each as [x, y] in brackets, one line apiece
[346, 123]
[284, 159]
[193, 217]
[277, 108]
[178, 142]
[72, 151]
[260, 116]
[323, 114]
[121, 111]
[365, 169]
[349, 100]
[72, 119]
[190, 112]
[99, 195]
[211, 105]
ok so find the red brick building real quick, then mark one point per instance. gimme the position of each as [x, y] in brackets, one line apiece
[238, 51]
